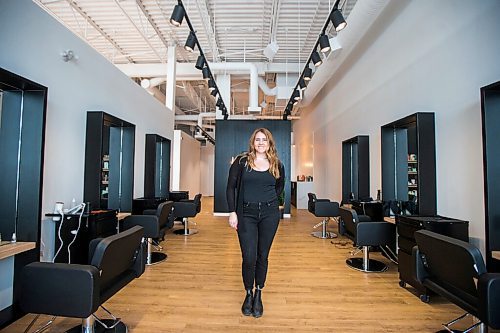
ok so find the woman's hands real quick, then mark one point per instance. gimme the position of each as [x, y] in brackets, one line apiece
[233, 220]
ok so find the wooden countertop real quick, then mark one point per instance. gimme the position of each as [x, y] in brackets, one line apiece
[121, 216]
[8, 249]
[390, 219]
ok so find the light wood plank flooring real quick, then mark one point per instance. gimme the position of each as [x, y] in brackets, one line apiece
[309, 288]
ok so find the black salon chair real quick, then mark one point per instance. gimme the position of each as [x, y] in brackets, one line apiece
[365, 233]
[73, 290]
[322, 208]
[155, 223]
[455, 270]
[185, 209]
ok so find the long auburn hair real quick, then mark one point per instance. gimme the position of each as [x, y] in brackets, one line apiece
[271, 154]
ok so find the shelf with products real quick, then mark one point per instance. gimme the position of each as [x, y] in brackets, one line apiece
[408, 163]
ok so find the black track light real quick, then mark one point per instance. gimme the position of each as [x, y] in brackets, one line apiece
[214, 92]
[302, 84]
[211, 85]
[219, 102]
[190, 42]
[338, 20]
[316, 59]
[206, 73]
[324, 43]
[226, 116]
[177, 15]
[200, 62]
[296, 96]
[307, 73]
[285, 116]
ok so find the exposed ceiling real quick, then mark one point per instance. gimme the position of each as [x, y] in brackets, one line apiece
[139, 32]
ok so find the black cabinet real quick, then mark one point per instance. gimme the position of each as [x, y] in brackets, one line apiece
[109, 162]
[490, 114]
[356, 169]
[406, 227]
[157, 167]
[74, 233]
[22, 133]
[409, 165]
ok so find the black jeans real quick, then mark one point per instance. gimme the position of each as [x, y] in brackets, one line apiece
[261, 222]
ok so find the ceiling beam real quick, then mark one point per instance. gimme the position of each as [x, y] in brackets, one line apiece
[209, 27]
[186, 71]
[152, 22]
[74, 5]
[139, 31]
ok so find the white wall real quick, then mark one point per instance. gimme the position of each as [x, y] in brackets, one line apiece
[207, 165]
[31, 42]
[420, 56]
[190, 163]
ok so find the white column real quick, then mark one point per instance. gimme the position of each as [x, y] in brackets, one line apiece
[171, 78]
[176, 161]
[224, 85]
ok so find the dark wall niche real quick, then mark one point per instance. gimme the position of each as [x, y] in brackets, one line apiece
[232, 140]
[490, 114]
[409, 164]
[109, 162]
[157, 167]
[22, 133]
[356, 168]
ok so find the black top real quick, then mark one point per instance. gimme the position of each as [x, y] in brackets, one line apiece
[235, 191]
[258, 186]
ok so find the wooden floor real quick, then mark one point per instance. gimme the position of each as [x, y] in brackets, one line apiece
[309, 288]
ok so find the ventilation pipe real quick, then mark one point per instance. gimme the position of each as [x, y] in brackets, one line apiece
[253, 98]
[360, 20]
[153, 82]
[265, 89]
[198, 118]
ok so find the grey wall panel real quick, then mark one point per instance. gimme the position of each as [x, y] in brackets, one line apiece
[232, 139]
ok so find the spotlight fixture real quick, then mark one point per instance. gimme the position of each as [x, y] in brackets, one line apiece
[338, 20]
[226, 116]
[214, 92]
[206, 73]
[219, 102]
[307, 73]
[211, 85]
[302, 84]
[324, 43]
[316, 59]
[200, 62]
[190, 42]
[177, 16]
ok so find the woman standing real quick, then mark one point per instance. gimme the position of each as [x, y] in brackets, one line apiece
[256, 180]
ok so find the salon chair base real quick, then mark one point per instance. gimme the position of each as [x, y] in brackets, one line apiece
[373, 266]
[186, 232]
[324, 235]
[156, 258]
[98, 328]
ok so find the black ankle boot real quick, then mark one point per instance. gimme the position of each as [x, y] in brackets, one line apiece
[246, 308]
[258, 308]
